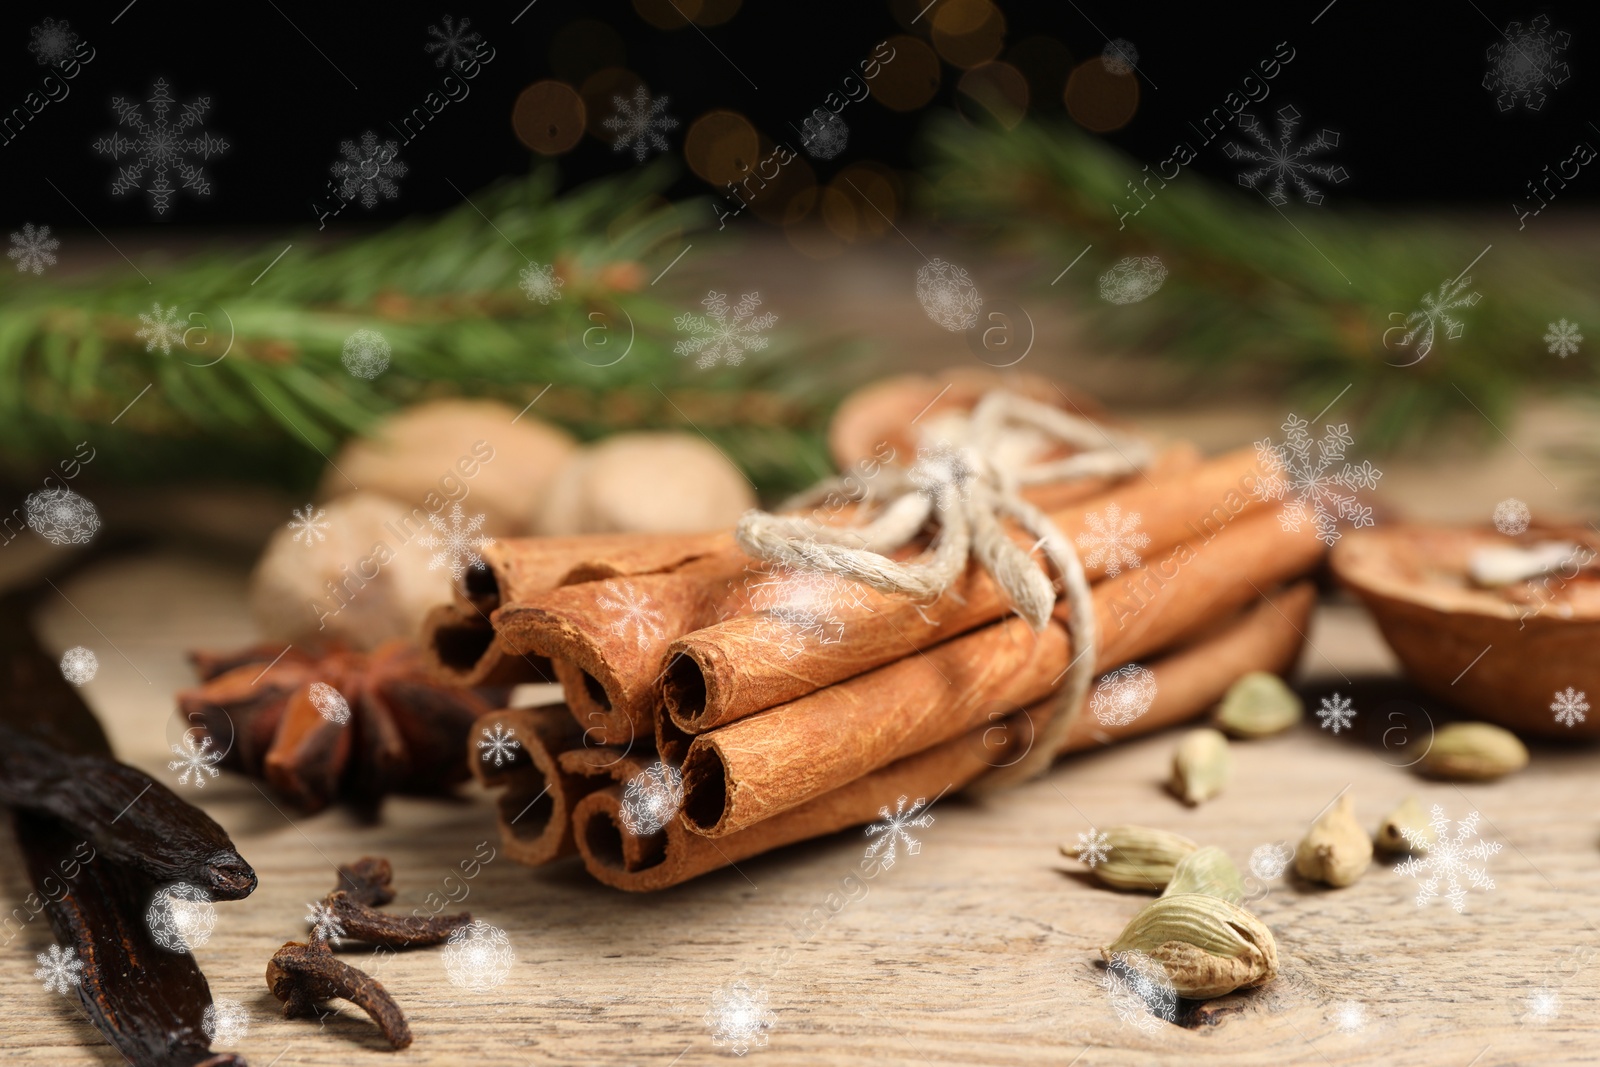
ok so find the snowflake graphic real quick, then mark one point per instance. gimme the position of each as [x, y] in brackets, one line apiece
[1111, 540]
[1282, 162]
[1423, 324]
[1544, 1005]
[802, 606]
[1119, 57]
[1092, 847]
[159, 146]
[79, 665]
[53, 42]
[1511, 516]
[365, 354]
[34, 249]
[823, 135]
[1447, 859]
[452, 43]
[718, 337]
[308, 525]
[1270, 861]
[59, 970]
[895, 829]
[1563, 338]
[181, 917]
[651, 798]
[944, 473]
[478, 957]
[639, 124]
[1132, 279]
[330, 703]
[1336, 713]
[325, 925]
[1569, 706]
[1123, 695]
[460, 542]
[1350, 1016]
[197, 760]
[1312, 490]
[947, 294]
[738, 1018]
[500, 745]
[541, 283]
[61, 516]
[226, 1022]
[368, 170]
[161, 328]
[1140, 992]
[1524, 62]
[634, 611]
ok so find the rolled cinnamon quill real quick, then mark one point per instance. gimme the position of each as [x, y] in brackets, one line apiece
[751, 770]
[535, 811]
[459, 647]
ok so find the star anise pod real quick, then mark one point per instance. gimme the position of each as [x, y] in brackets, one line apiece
[332, 723]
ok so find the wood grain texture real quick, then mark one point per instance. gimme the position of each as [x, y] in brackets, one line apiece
[981, 949]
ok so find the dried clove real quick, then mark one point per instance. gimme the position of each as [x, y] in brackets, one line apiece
[365, 883]
[303, 975]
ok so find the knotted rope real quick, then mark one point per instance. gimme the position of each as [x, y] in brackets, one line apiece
[968, 475]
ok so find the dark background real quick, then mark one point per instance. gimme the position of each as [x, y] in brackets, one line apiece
[1401, 82]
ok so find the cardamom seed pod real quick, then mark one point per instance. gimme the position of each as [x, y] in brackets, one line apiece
[1138, 857]
[1474, 752]
[1259, 705]
[1208, 871]
[1208, 946]
[1408, 816]
[1201, 766]
[1336, 850]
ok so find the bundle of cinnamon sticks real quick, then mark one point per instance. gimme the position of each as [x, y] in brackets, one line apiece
[789, 724]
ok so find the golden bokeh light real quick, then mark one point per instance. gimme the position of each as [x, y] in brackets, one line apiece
[548, 117]
[600, 91]
[995, 89]
[871, 194]
[721, 146]
[1099, 100]
[908, 80]
[968, 33]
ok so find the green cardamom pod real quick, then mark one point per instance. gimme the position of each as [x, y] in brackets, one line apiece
[1408, 816]
[1137, 857]
[1209, 871]
[1474, 752]
[1208, 946]
[1201, 766]
[1259, 705]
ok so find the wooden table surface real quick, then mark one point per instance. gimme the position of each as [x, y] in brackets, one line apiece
[982, 949]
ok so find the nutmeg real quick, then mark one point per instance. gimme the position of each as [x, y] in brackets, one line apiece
[646, 483]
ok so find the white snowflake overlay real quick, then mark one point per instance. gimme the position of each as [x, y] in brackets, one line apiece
[1140, 992]
[1092, 847]
[895, 829]
[634, 611]
[325, 925]
[34, 249]
[651, 799]
[1350, 1016]
[330, 703]
[226, 1022]
[1544, 1005]
[1524, 62]
[1447, 859]
[460, 542]
[1423, 324]
[716, 336]
[541, 283]
[1123, 695]
[1111, 540]
[1511, 516]
[1562, 340]
[1270, 861]
[943, 473]
[181, 917]
[53, 42]
[1119, 57]
[61, 517]
[947, 294]
[58, 969]
[365, 354]
[1132, 279]
[160, 147]
[1336, 713]
[802, 606]
[1313, 490]
[478, 957]
[1283, 162]
[500, 745]
[79, 665]
[308, 525]
[197, 760]
[453, 44]
[639, 124]
[1569, 706]
[738, 1018]
[160, 329]
[823, 134]
[368, 170]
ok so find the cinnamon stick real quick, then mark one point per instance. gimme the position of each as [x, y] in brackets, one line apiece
[519, 567]
[459, 647]
[751, 770]
[1266, 636]
[535, 811]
